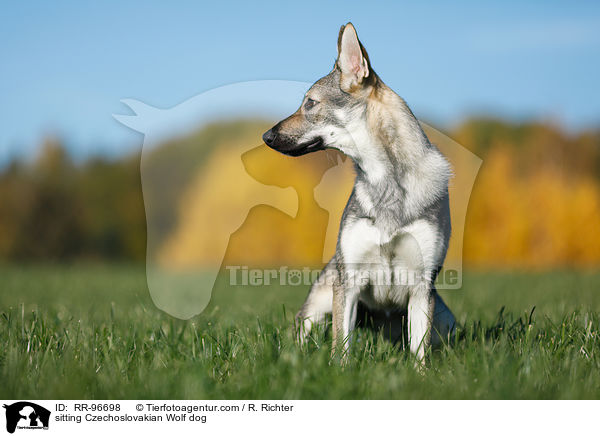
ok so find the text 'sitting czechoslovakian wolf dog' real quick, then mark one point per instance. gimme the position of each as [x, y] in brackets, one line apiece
[395, 228]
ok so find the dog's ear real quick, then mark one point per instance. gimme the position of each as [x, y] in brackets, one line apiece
[352, 60]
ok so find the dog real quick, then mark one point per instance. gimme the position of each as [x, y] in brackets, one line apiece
[396, 224]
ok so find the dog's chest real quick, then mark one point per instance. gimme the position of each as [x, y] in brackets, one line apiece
[387, 265]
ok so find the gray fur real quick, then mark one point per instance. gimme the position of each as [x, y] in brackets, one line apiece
[398, 212]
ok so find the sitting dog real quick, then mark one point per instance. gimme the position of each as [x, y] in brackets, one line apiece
[395, 228]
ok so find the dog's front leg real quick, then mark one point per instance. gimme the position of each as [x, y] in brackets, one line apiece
[421, 306]
[345, 304]
[318, 303]
[314, 310]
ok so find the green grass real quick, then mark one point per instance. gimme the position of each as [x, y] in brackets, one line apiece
[92, 332]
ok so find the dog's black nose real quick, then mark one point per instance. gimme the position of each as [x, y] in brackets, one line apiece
[269, 137]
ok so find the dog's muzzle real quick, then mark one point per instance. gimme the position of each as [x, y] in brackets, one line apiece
[289, 147]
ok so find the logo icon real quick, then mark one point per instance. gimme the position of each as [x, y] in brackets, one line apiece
[26, 415]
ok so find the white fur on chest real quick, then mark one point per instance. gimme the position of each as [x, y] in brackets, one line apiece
[393, 265]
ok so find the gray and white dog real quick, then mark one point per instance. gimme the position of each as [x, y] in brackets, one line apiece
[395, 229]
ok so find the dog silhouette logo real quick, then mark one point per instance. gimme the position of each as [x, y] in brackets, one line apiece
[208, 207]
[26, 415]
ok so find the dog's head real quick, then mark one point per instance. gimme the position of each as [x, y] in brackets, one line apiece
[333, 109]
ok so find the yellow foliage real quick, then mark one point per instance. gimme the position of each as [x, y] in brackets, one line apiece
[248, 192]
[533, 204]
[542, 218]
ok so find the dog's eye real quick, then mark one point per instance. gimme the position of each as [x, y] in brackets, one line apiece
[310, 103]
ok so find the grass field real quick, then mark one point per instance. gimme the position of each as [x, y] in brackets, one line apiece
[92, 332]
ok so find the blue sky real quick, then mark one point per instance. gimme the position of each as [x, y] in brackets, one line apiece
[65, 66]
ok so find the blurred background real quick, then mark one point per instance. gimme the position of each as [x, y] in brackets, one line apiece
[84, 199]
[514, 83]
